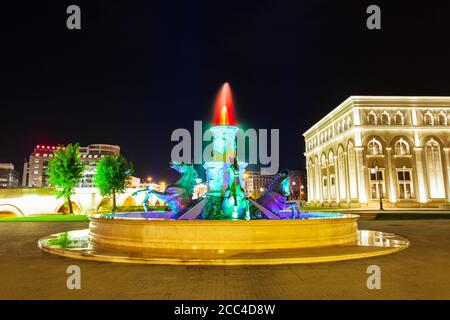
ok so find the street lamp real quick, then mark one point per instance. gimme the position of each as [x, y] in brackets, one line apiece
[375, 170]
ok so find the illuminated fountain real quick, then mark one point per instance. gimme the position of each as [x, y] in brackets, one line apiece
[226, 226]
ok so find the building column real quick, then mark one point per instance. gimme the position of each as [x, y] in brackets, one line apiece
[328, 182]
[392, 188]
[310, 183]
[337, 188]
[360, 169]
[447, 163]
[347, 177]
[422, 193]
[308, 179]
[319, 181]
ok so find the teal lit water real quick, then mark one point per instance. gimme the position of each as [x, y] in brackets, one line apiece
[169, 215]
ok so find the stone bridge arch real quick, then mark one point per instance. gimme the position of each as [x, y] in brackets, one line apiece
[62, 207]
[9, 208]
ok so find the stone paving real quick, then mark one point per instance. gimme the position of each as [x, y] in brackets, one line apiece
[419, 272]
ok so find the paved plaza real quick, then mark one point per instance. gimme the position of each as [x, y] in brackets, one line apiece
[419, 272]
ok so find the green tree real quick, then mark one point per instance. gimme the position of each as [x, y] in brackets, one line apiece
[65, 171]
[112, 176]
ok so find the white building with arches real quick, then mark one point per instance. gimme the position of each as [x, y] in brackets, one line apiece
[396, 148]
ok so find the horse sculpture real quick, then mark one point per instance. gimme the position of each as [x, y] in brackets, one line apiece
[234, 204]
[178, 196]
[274, 198]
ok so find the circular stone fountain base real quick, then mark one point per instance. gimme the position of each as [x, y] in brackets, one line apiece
[200, 242]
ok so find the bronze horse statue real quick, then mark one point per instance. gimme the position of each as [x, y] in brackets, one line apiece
[275, 196]
[178, 196]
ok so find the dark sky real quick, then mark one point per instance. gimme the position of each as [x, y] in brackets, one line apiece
[140, 69]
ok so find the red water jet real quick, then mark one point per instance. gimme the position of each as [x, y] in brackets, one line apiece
[224, 108]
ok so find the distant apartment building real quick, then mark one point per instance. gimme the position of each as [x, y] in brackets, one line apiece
[9, 178]
[255, 183]
[90, 155]
[35, 170]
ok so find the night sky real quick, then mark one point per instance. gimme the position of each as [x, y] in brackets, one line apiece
[137, 70]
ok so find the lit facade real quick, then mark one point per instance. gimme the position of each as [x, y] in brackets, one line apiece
[372, 147]
[35, 170]
[255, 183]
[90, 155]
[8, 176]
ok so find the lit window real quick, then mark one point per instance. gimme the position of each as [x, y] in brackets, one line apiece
[36, 160]
[377, 187]
[434, 169]
[428, 118]
[442, 118]
[374, 147]
[45, 155]
[385, 119]
[324, 161]
[331, 158]
[401, 147]
[399, 118]
[405, 185]
[372, 118]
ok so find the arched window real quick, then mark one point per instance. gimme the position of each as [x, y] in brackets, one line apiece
[323, 161]
[401, 147]
[372, 118]
[342, 173]
[442, 118]
[352, 170]
[331, 158]
[428, 118]
[434, 169]
[374, 147]
[385, 119]
[399, 119]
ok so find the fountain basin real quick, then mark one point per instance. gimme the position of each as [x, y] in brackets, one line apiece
[141, 238]
[133, 234]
